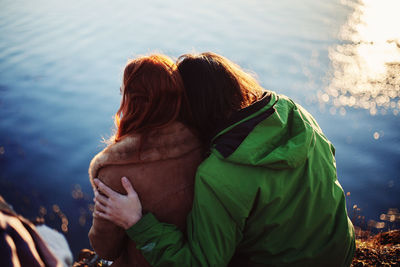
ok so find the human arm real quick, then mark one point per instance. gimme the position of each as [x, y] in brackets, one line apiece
[212, 231]
[107, 239]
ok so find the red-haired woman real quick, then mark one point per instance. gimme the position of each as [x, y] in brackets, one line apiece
[153, 149]
[267, 194]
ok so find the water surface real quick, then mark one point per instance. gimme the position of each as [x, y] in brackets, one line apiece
[61, 64]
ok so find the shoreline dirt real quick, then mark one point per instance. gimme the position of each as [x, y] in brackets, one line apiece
[382, 249]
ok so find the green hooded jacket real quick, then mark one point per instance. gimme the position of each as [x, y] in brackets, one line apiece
[267, 195]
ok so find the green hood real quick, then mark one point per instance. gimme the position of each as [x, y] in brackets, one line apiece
[267, 195]
[281, 141]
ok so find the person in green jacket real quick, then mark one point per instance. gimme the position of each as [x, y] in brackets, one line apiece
[267, 193]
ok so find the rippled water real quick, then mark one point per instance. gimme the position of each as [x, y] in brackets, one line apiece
[366, 66]
[61, 63]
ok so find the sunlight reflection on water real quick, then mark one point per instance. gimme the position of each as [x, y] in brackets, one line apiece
[61, 65]
[366, 66]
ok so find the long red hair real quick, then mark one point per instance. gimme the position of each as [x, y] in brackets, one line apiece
[153, 96]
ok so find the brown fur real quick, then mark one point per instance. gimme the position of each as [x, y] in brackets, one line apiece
[161, 167]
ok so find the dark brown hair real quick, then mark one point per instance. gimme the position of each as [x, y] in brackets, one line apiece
[153, 96]
[215, 87]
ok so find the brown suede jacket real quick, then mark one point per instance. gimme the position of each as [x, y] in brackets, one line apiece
[161, 167]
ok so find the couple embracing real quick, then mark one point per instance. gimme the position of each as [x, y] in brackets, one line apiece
[217, 171]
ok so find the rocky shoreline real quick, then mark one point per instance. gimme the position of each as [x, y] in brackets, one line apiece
[382, 249]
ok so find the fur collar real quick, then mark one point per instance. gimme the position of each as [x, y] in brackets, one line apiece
[172, 141]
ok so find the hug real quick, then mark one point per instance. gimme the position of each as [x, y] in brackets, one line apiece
[217, 171]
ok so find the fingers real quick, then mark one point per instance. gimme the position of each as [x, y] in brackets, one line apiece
[99, 198]
[100, 207]
[127, 185]
[103, 188]
[100, 202]
[101, 215]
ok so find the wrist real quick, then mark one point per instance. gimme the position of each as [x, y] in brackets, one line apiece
[133, 221]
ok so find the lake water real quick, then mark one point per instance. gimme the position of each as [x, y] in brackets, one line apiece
[61, 64]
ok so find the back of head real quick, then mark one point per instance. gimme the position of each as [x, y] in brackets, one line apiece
[153, 96]
[215, 87]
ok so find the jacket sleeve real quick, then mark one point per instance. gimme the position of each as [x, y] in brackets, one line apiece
[211, 239]
[107, 239]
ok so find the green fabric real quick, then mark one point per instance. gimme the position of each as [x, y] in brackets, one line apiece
[275, 201]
